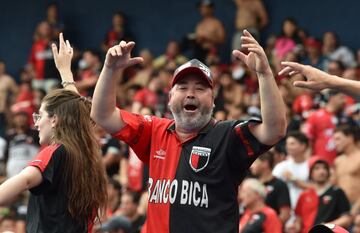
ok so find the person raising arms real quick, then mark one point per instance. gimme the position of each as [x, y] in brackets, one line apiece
[66, 180]
[195, 163]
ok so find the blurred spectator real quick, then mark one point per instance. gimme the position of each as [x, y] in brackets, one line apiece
[90, 67]
[24, 98]
[145, 69]
[23, 144]
[231, 92]
[111, 151]
[38, 95]
[28, 99]
[41, 61]
[335, 67]
[294, 170]
[320, 126]
[347, 164]
[313, 54]
[114, 197]
[250, 15]
[129, 209]
[209, 32]
[304, 104]
[258, 217]
[288, 39]
[148, 96]
[333, 50]
[117, 33]
[172, 54]
[133, 173]
[277, 192]
[270, 48]
[8, 92]
[53, 19]
[323, 203]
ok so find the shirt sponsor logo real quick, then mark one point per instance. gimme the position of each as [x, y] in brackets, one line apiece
[199, 158]
[181, 192]
[147, 118]
[160, 154]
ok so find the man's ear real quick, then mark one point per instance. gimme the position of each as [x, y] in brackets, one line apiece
[54, 121]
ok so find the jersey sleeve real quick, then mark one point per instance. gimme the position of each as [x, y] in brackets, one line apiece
[244, 148]
[47, 161]
[136, 133]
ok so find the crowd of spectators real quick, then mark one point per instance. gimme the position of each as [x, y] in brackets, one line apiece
[310, 177]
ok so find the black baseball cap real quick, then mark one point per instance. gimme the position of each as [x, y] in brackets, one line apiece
[193, 67]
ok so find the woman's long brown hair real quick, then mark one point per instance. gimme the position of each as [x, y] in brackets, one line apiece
[84, 172]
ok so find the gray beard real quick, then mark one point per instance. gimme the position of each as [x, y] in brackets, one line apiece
[191, 124]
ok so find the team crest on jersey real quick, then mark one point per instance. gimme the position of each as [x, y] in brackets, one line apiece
[199, 158]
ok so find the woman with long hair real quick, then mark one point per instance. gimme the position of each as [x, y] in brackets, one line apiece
[67, 179]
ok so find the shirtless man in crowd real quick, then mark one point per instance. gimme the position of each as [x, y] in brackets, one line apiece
[347, 164]
[209, 31]
[250, 15]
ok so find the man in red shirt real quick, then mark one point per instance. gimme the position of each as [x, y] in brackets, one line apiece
[320, 127]
[324, 203]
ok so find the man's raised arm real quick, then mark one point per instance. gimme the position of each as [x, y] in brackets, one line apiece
[273, 126]
[103, 110]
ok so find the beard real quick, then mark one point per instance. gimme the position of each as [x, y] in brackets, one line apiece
[191, 122]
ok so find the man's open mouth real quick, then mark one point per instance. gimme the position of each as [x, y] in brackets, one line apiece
[190, 107]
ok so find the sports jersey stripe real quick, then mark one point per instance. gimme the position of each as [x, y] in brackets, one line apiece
[246, 142]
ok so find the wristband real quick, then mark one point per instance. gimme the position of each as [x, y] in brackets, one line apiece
[65, 83]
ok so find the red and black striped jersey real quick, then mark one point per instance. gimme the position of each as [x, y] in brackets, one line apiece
[48, 209]
[314, 208]
[193, 184]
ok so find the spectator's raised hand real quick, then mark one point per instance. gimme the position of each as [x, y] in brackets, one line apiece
[63, 56]
[315, 79]
[119, 56]
[256, 59]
